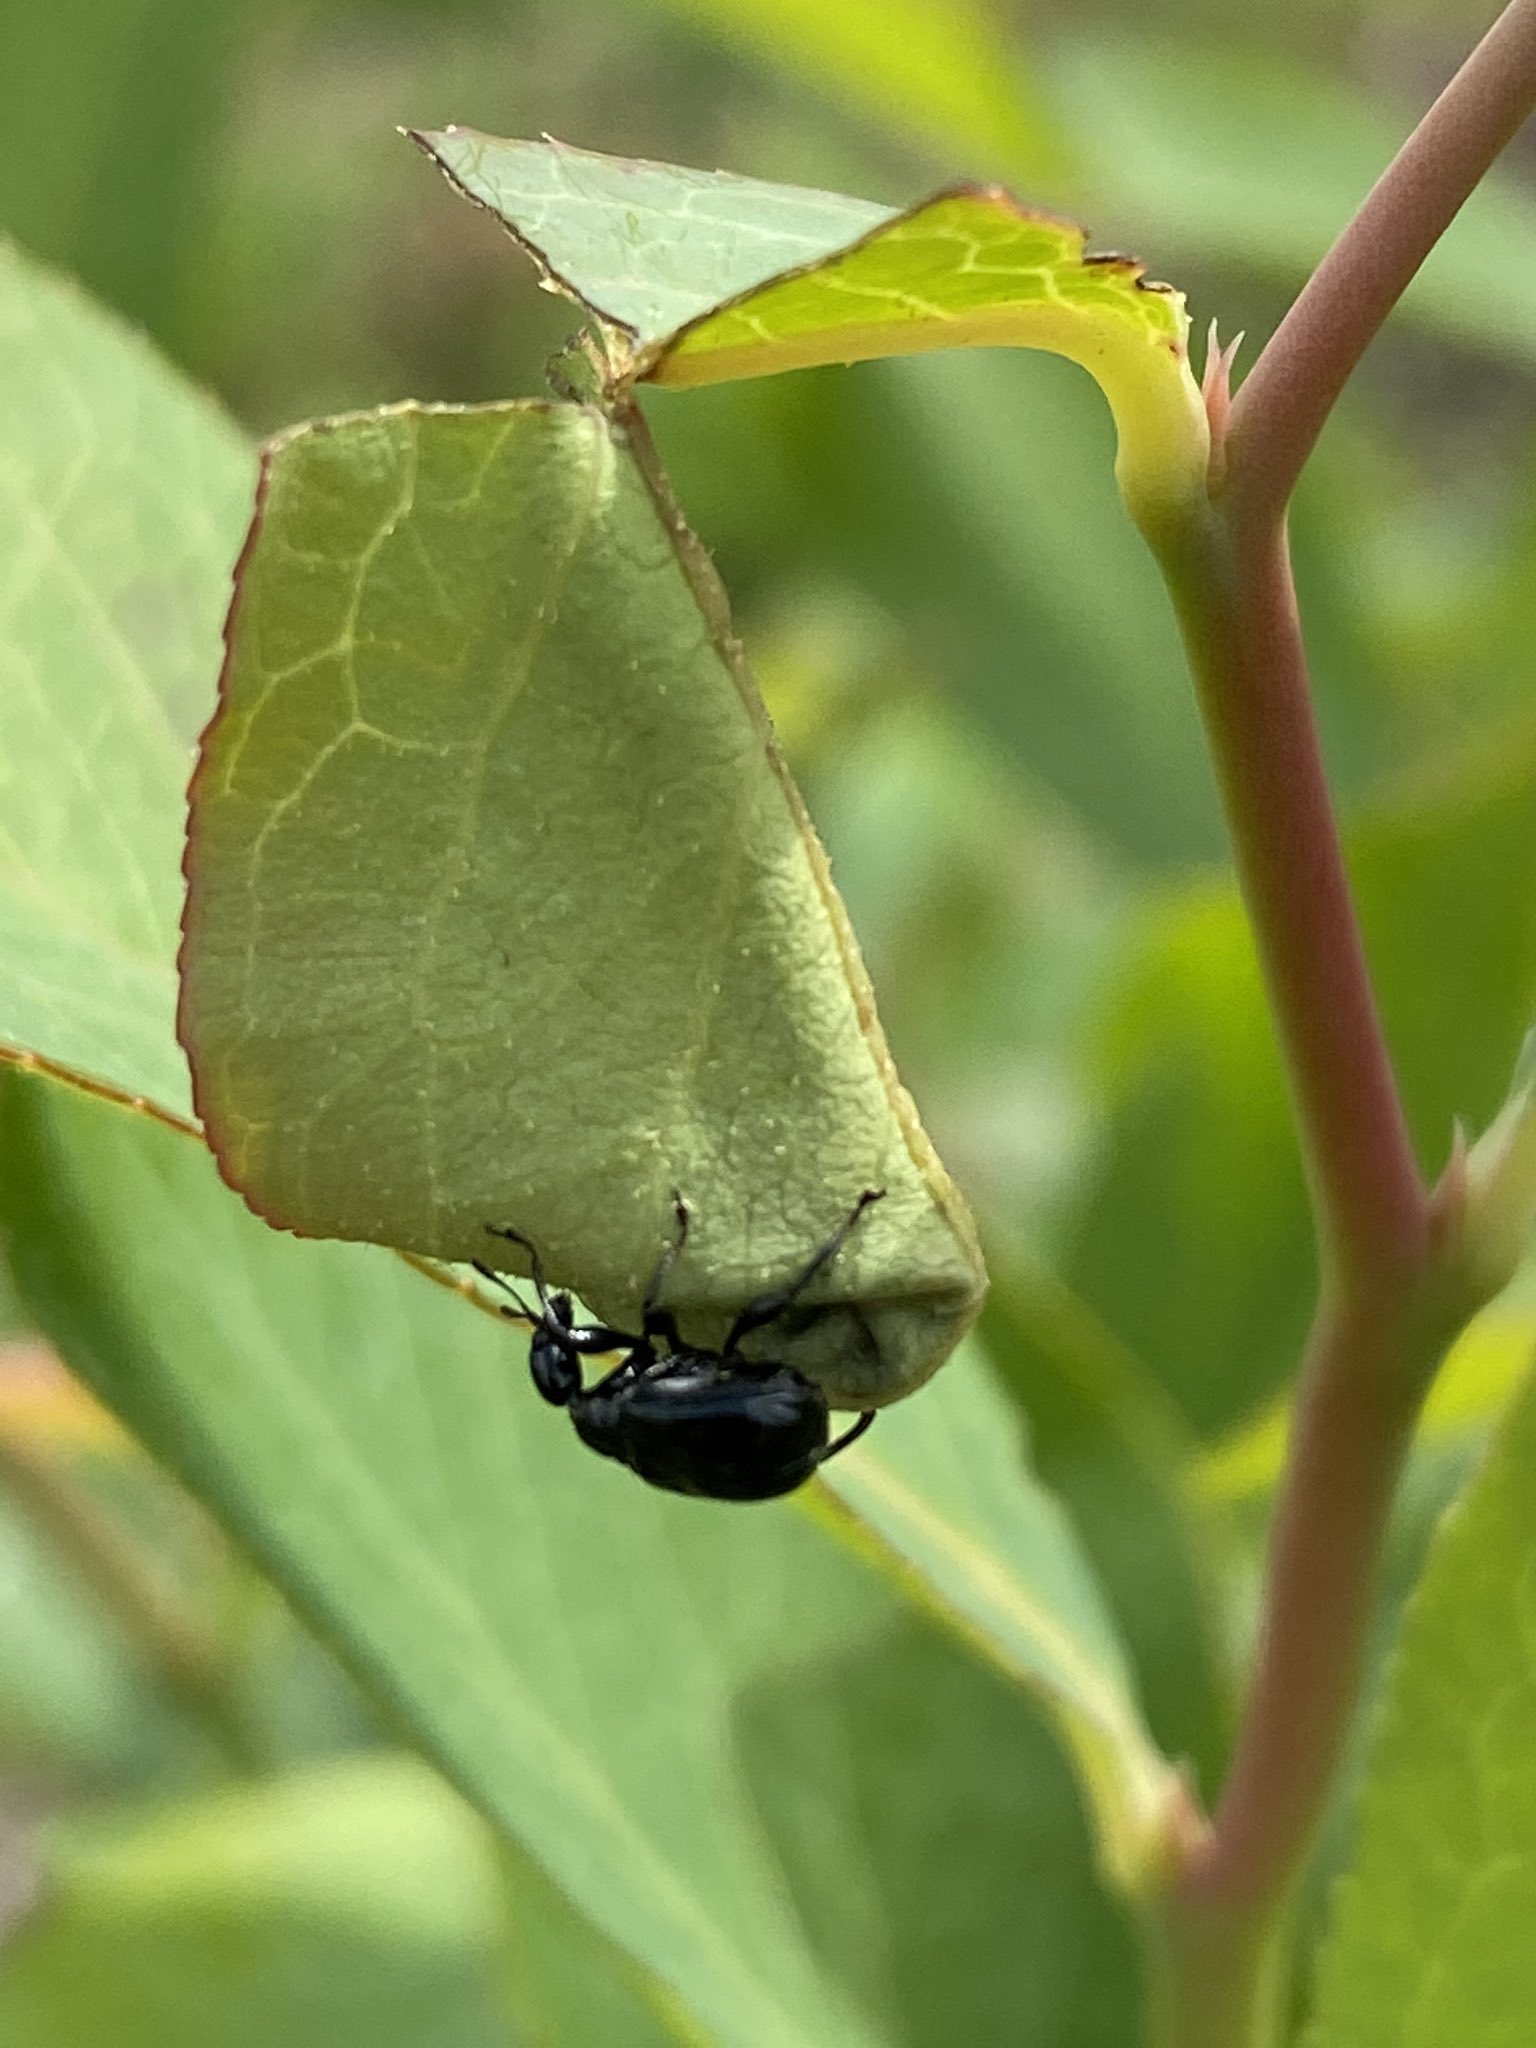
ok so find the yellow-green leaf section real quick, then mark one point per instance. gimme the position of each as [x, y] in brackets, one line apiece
[972, 268]
[1472, 1388]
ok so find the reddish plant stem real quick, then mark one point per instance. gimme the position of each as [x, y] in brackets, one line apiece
[1220, 1955]
[1238, 613]
[1287, 396]
[1389, 1299]
[1354, 1412]
[1370, 1350]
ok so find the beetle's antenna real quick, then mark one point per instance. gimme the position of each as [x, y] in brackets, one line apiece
[536, 1264]
[497, 1280]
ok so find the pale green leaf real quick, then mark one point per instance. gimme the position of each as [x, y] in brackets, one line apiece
[567, 1984]
[379, 1446]
[938, 1489]
[605, 1670]
[121, 496]
[647, 247]
[928, 1830]
[504, 910]
[1431, 1941]
[709, 277]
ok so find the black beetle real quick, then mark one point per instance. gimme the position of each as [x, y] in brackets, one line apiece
[711, 1423]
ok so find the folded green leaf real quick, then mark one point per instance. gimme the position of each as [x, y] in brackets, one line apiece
[696, 277]
[121, 491]
[504, 911]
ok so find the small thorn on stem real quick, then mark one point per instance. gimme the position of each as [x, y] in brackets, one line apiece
[1450, 1196]
[1216, 390]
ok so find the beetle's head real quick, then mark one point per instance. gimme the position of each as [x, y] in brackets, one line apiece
[555, 1367]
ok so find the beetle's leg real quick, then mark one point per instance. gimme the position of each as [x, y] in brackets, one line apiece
[554, 1318]
[655, 1320]
[767, 1308]
[849, 1436]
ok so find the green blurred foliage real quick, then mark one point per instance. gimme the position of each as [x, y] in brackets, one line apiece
[979, 685]
[1430, 1941]
[353, 1902]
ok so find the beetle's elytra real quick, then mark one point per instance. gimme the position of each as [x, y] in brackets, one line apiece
[710, 1423]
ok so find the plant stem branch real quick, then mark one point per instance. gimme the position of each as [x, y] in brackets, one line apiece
[1280, 410]
[1237, 610]
[1219, 1941]
[1360, 1388]
[1391, 1294]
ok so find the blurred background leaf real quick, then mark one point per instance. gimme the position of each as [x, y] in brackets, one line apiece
[124, 495]
[1433, 1913]
[982, 696]
[352, 1902]
[947, 71]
